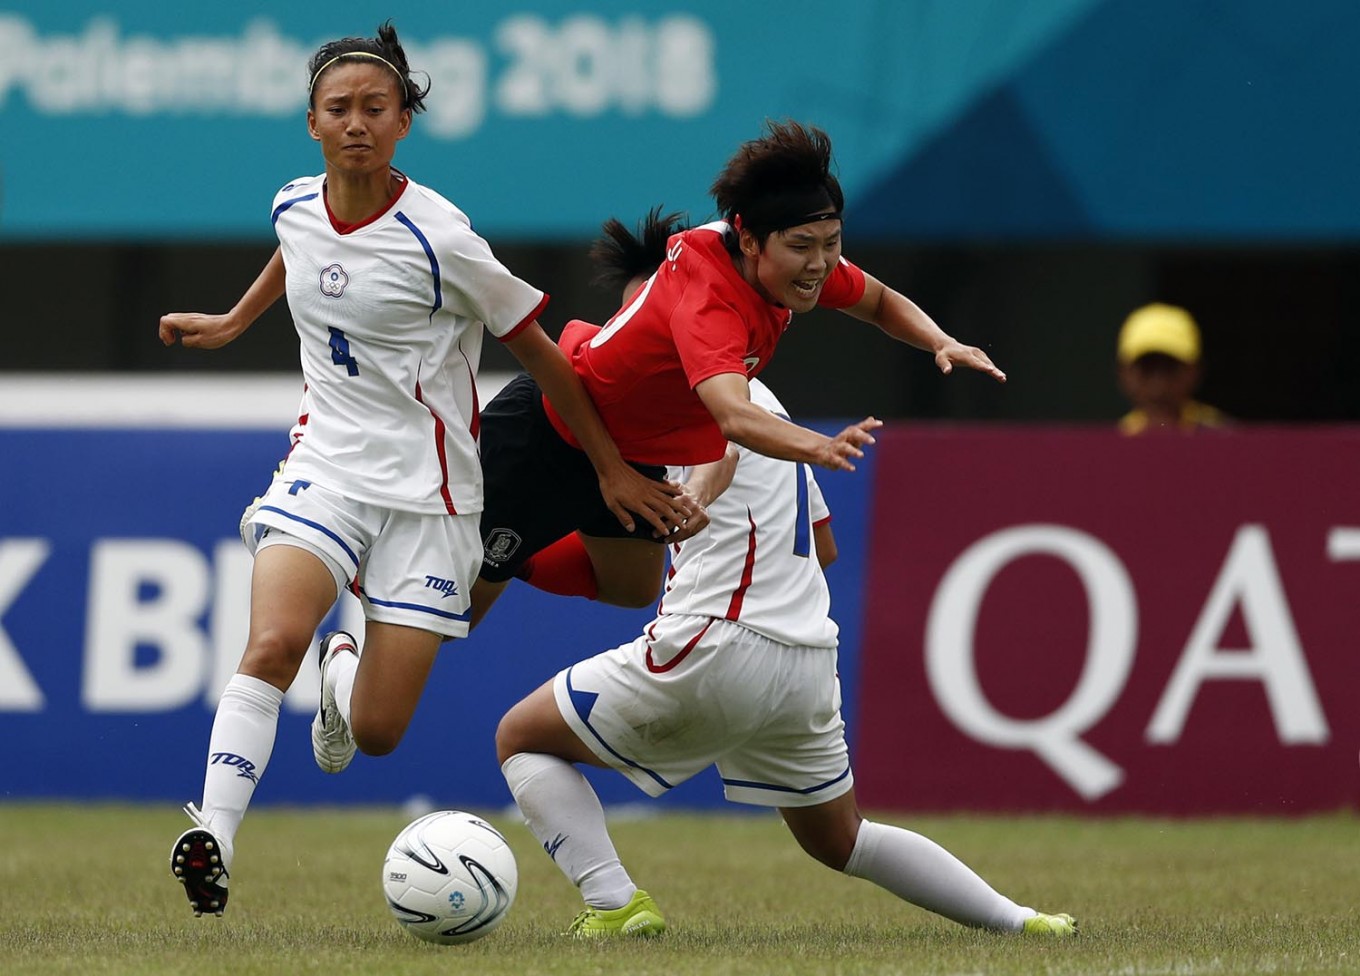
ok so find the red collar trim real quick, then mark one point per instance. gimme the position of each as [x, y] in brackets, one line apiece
[343, 228]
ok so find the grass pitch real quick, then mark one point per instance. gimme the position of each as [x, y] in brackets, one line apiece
[87, 889]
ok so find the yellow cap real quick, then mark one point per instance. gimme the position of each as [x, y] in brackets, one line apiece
[1166, 329]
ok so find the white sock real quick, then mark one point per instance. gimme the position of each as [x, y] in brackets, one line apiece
[922, 872]
[565, 815]
[341, 673]
[238, 752]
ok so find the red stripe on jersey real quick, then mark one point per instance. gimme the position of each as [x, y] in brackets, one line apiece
[475, 424]
[684, 653]
[443, 456]
[734, 608]
[526, 321]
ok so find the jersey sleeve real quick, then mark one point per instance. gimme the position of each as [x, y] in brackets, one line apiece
[710, 335]
[478, 286]
[844, 286]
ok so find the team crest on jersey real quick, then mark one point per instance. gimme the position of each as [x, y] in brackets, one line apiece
[333, 281]
[500, 546]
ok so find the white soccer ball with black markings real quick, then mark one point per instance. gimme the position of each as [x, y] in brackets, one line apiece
[450, 877]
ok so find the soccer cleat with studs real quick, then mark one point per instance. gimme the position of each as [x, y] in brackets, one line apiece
[1059, 926]
[332, 741]
[198, 863]
[639, 919]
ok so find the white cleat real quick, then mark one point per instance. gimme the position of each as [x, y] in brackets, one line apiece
[332, 741]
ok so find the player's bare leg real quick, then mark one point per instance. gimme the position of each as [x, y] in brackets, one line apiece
[391, 675]
[628, 571]
[484, 594]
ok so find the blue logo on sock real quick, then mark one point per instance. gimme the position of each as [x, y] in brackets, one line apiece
[551, 846]
[244, 767]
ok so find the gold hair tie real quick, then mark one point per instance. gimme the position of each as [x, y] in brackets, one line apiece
[359, 54]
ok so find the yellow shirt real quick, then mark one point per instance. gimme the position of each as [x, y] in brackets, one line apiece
[1194, 415]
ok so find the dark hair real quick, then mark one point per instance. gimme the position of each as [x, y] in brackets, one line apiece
[385, 46]
[620, 255]
[776, 177]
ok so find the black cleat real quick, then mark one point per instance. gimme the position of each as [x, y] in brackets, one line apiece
[196, 862]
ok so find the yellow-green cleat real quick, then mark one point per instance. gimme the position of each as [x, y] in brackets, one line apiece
[639, 919]
[1051, 926]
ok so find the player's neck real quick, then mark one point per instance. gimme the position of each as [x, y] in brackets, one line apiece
[354, 197]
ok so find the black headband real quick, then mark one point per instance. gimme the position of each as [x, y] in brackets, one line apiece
[790, 208]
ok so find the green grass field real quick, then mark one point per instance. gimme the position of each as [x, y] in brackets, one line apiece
[86, 889]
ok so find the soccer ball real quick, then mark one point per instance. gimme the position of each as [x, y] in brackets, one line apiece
[450, 877]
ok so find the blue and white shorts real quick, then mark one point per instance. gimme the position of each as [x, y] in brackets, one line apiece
[412, 569]
[696, 691]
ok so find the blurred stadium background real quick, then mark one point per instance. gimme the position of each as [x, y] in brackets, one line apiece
[1064, 619]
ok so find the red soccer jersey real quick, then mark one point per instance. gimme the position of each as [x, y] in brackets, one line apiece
[695, 318]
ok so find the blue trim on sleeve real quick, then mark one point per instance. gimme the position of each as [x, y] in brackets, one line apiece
[434, 261]
[288, 203]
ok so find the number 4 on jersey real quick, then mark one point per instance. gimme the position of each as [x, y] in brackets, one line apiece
[340, 352]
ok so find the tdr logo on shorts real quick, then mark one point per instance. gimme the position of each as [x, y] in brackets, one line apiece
[244, 767]
[444, 586]
[333, 281]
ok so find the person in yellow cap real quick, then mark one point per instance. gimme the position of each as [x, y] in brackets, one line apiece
[1159, 371]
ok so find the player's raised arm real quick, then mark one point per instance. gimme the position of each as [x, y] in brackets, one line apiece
[903, 319]
[728, 398]
[199, 330]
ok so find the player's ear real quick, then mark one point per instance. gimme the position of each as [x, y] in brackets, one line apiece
[311, 126]
[748, 243]
[404, 127]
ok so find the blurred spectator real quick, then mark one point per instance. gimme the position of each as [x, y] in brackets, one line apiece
[1159, 371]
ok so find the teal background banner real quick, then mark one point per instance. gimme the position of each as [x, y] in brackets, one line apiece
[952, 119]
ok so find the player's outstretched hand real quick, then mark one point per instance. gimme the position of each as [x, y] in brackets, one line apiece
[970, 356]
[197, 330]
[840, 452]
[663, 505]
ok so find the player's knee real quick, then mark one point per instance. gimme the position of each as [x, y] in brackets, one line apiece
[509, 738]
[832, 850]
[274, 656]
[376, 738]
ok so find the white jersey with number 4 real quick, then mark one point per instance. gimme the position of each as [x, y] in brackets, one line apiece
[756, 563]
[390, 313]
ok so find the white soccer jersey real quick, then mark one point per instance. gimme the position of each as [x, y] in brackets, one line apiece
[390, 315]
[756, 563]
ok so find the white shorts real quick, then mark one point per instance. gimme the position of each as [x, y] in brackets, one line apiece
[411, 569]
[695, 691]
